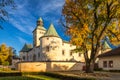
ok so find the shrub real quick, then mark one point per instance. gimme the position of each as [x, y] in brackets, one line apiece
[114, 70]
[98, 69]
[4, 74]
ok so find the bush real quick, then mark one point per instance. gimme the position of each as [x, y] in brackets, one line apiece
[98, 69]
[114, 70]
[49, 74]
[4, 74]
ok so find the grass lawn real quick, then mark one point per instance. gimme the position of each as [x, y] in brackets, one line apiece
[29, 77]
[43, 77]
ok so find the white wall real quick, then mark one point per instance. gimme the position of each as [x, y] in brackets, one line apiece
[116, 62]
[49, 66]
[55, 48]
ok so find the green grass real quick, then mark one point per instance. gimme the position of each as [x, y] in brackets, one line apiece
[43, 77]
[29, 77]
[18, 78]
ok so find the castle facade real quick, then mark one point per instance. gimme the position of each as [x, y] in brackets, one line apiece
[48, 46]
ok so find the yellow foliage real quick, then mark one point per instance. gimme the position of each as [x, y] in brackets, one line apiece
[4, 52]
[80, 14]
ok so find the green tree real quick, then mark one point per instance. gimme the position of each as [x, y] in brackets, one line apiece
[5, 63]
[4, 4]
[88, 22]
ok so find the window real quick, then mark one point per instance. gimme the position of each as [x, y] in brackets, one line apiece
[23, 57]
[79, 54]
[47, 48]
[27, 57]
[110, 64]
[104, 63]
[70, 53]
[34, 57]
[63, 52]
[47, 38]
[38, 54]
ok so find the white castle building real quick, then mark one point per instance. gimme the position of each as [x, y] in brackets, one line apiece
[48, 46]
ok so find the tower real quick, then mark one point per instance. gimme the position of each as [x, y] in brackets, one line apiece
[38, 32]
[52, 44]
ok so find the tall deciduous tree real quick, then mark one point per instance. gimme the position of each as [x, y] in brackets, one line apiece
[4, 4]
[6, 54]
[88, 22]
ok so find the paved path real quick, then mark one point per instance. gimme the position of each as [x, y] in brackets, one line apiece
[97, 75]
[112, 76]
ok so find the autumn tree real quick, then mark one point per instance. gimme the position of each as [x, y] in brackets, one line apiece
[4, 4]
[88, 22]
[5, 54]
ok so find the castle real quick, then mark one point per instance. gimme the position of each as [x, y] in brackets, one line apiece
[50, 53]
[48, 46]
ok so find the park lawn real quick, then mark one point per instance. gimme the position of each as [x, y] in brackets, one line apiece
[17, 78]
[43, 77]
[29, 77]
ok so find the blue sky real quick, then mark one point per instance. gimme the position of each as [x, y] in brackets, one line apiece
[18, 28]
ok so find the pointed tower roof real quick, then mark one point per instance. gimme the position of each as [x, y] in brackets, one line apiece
[40, 25]
[51, 31]
[40, 19]
[26, 48]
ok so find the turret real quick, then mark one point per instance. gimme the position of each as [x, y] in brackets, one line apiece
[38, 32]
[52, 44]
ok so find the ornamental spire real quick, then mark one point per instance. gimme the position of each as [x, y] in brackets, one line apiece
[40, 22]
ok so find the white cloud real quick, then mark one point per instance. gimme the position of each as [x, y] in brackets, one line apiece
[23, 17]
[53, 6]
[22, 40]
[24, 27]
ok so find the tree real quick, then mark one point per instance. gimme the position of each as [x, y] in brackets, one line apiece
[5, 63]
[5, 54]
[4, 4]
[88, 22]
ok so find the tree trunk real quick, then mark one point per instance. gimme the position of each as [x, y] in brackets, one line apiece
[90, 67]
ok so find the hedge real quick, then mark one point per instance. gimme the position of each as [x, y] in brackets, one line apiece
[49, 74]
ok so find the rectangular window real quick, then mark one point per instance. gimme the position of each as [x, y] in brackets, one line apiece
[47, 48]
[79, 54]
[110, 64]
[23, 57]
[70, 53]
[38, 54]
[63, 52]
[104, 64]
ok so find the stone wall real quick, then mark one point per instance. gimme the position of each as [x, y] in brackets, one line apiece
[49, 66]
